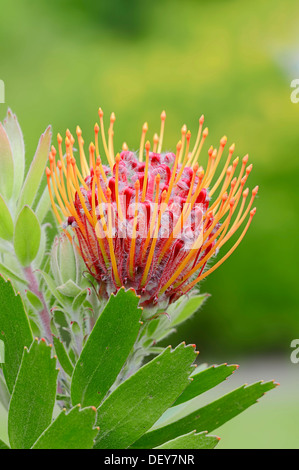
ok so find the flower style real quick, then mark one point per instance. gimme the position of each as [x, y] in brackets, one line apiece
[148, 221]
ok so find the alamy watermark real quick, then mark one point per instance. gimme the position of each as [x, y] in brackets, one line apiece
[295, 93]
[2, 92]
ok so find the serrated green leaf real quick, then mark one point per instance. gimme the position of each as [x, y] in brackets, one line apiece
[36, 170]
[27, 236]
[33, 398]
[134, 406]
[72, 430]
[16, 140]
[209, 417]
[3, 445]
[205, 380]
[189, 307]
[4, 394]
[192, 440]
[63, 356]
[6, 225]
[6, 165]
[16, 334]
[106, 349]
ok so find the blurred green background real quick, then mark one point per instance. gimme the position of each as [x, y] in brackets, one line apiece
[234, 62]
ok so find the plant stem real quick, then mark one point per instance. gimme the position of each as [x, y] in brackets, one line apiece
[44, 314]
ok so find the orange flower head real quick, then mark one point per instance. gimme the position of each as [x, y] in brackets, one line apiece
[149, 220]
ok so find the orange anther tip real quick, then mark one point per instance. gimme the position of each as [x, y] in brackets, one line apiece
[236, 161]
[205, 132]
[214, 153]
[117, 158]
[51, 158]
[201, 119]
[59, 164]
[101, 114]
[53, 150]
[195, 167]
[145, 127]
[156, 138]
[59, 138]
[253, 211]
[224, 196]
[94, 409]
[229, 170]
[112, 117]
[78, 131]
[73, 161]
[163, 115]
[210, 151]
[137, 184]
[96, 127]
[232, 148]
[245, 159]
[91, 146]
[184, 129]
[48, 171]
[147, 145]
[188, 136]
[246, 192]
[255, 190]
[234, 181]
[179, 145]
[249, 168]
[223, 140]
[232, 201]
[158, 177]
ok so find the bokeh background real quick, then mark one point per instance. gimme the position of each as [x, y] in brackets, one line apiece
[234, 62]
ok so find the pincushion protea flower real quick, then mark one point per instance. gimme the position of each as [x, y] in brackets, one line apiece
[147, 220]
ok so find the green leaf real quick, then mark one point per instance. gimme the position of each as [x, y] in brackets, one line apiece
[3, 445]
[137, 403]
[74, 430]
[9, 274]
[4, 394]
[209, 417]
[192, 440]
[16, 334]
[63, 356]
[16, 140]
[36, 170]
[33, 398]
[34, 301]
[205, 380]
[27, 236]
[6, 226]
[69, 289]
[106, 349]
[188, 308]
[43, 205]
[6, 165]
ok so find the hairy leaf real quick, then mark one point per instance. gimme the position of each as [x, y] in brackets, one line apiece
[138, 402]
[27, 236]
[192, 440]
[204, 380]
[15, 334]
[209, 417]
[33, 398]
[72, 430]
[106, 349]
